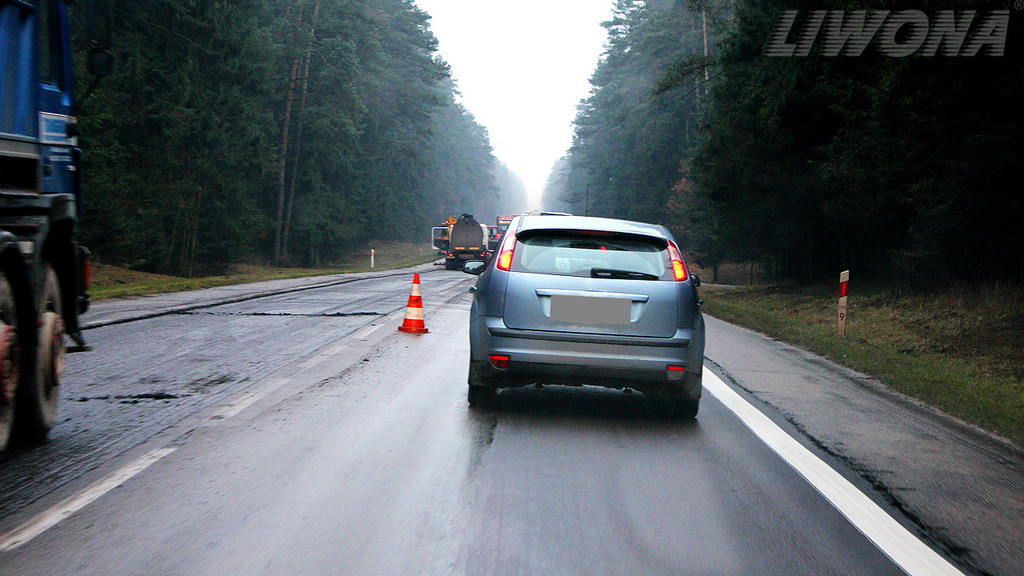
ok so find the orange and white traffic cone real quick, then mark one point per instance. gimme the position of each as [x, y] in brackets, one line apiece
[414, 311]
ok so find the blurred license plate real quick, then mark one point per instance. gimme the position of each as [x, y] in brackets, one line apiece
[589, 309]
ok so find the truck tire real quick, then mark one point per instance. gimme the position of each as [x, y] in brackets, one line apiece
[39, 390]
[9, 360]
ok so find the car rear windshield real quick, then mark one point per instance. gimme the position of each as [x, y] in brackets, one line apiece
[592, 254]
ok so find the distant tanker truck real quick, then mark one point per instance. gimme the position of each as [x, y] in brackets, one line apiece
[467, 240]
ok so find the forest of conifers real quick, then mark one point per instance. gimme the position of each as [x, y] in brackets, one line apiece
[289, 131]
[908, 170]
[277, 131]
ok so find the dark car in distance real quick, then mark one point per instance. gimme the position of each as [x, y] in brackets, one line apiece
[574, 300]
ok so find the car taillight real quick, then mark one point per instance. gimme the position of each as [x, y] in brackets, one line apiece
[678, 268]
[499, 361]
[508, 248]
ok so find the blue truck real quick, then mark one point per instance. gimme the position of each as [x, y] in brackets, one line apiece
[43, 271]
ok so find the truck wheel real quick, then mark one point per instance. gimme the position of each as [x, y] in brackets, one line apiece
[9, 360]
[37, 399]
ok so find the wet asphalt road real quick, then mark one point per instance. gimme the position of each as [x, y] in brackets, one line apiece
[304, 436]
[146, 375]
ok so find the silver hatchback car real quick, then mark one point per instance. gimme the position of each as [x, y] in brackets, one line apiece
[587, 301]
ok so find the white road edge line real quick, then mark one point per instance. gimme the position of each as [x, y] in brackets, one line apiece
[234, 408]
[366, 332]
[320, 358]
[48, 519]
[384, 320]
[312, 362]
[895, 541]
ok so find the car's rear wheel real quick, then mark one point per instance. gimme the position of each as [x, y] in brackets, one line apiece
[478, 393]
[481, 396]
[682, 407]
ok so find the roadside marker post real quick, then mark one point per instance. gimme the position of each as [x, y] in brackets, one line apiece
[371, 258]
[844, 282]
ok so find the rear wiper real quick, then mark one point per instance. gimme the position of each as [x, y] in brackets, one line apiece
[630, 274]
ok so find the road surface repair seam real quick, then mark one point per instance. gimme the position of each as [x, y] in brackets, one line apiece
[235, 300]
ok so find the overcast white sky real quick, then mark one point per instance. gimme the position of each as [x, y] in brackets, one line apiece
[522, 67]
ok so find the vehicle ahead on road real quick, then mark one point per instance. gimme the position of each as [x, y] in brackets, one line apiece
[467, 240]
[587, 301]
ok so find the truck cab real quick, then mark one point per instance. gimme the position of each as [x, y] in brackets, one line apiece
[37, 150]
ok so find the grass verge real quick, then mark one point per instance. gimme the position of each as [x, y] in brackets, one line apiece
[961, 350]
[115, 282]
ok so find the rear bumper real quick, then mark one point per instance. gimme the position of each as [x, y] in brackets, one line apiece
[586, 359]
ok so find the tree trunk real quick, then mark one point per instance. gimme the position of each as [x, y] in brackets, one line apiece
[707, 52]
[298, 133]
[283, 162]
[696, 77]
